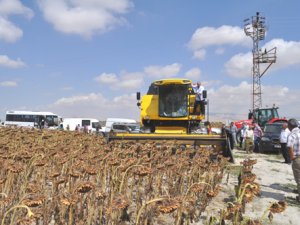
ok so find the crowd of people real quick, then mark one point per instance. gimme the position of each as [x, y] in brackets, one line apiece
[250, 137]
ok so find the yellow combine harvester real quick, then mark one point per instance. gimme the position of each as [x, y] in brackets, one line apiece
[167, 114]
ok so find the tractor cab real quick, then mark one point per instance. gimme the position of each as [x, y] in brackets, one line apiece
[264, 115]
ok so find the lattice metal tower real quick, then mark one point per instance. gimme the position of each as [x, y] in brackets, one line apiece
[254, 27]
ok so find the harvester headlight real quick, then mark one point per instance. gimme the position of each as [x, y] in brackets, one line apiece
[147, 117]
[158, 82]
[194, 117]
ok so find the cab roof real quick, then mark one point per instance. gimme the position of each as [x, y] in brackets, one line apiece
[172, 81]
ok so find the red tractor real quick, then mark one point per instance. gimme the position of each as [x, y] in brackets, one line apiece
[262, 116]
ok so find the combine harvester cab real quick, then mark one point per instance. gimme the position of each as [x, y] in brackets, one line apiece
[167, 114]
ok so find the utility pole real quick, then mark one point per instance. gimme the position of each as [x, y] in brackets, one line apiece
[254, 27]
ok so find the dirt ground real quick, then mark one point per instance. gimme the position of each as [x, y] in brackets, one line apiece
[277, 182]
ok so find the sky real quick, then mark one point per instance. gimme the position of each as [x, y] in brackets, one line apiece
[88, 58]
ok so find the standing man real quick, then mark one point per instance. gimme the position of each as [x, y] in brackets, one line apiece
[249, 138]
[293, 145]
[283, 140]
[198, 89]
[233, 130]
[242, 134]
[257, 135]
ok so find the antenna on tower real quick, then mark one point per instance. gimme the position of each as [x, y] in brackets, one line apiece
[254, 27]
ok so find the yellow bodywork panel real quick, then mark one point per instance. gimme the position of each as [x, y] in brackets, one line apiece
[149, 106]
[170, 130]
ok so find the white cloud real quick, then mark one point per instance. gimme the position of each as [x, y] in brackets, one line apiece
[9, 7]
[224, 35]
[193, 74]
[288, 54]
[200, 54]
[8, 84]
[211, 83]
[124, 80]
[239, 65]
[7, 62]
[96, 105]
[130, 80]
[163, 71]
[107, 78]
[135, 80]
[233, 102]
[210, 36]
[84, 18]
[9, 32]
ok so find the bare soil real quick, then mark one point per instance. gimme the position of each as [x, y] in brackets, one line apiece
[277, 183]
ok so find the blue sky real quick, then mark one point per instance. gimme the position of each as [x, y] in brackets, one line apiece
[88, 58]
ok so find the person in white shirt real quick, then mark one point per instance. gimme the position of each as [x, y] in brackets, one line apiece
[242, 136]
[283, 140]
[198, 89]
[249, 139]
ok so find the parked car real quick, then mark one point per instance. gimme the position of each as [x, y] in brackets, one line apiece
[202, 129]
[122, 127]
[270, 141]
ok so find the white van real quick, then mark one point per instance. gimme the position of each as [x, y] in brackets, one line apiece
[71, 123]
[111, 121]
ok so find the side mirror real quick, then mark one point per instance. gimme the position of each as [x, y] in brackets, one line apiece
[138, 104]
[138, 96]
[204, 93]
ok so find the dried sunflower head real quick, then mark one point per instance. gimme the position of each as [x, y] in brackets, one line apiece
[32, 187]
[253, 188]
[16, 168]
[60, 181]
[120, 202]
[90, 170]
[2, 180]
[248, 178]
[114, 162]
[71, 200]
[253, 222]
[278, 207]
[4, 200]
[247, 169]
[85, 187]
[100, 195]
[74, 174]
[249, 162]
[231, 208]
[248, 197]
[25, 221]
[197, 188]
[55, 173]
[168, 206]
[41, 162]
[143, 171]
[34, 201]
